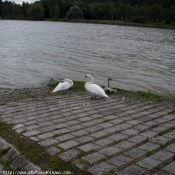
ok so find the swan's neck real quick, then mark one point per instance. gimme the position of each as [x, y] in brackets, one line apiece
[92, 79]
[108, 83]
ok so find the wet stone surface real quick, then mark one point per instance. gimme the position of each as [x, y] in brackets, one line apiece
[119, 137]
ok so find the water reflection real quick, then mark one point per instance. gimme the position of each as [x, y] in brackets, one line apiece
[135, 58]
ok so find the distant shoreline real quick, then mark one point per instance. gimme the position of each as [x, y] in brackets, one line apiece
[121, 23]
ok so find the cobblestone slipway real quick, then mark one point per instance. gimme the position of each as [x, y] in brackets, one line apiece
[115, 137]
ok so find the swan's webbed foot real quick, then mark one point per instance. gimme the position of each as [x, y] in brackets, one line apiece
[107, 99]
[93, 96]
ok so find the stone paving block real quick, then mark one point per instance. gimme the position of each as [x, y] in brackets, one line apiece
[105, 125]
[161, 120]
[64, 137]
[135, 153]
[76, 127]
[120, 160]
[162, 155]
[149, 146]
[61, 131]
[11, 154]
[47, 123]
[110, 117]
[125, 145]
[92, 129]
[45, 129]
[43, 119]
[19, 121]
[31, 127]
[45, 135]
[80, 133]
[72, 122]
[84, 139]
[60, 125]
[84, 119]
[48, 142]
[68, 144]
[103, 142]
[117, 121]
[18, 162]
[4, 145]
[137, 139]
[162, 172]
[159, 129]
[149, 163]
[134, 122]
[150, 123]
[31, 122]
[149, 134]
[52, 151]
[161, 140]
[168, 125]
[170, 168]
[98, 134]
[132, 170]
[112, 129]
[59, 121]
[101, 169]
[169, 117]
[129, 132]
[124, 126]
[96, 116]
[170, 135]
[118, 137]
[68, 155]
[31, 133]
[18, 126]
[141, 128]
[88, 147]
[94, 157]
[170, 148]
[110, 151]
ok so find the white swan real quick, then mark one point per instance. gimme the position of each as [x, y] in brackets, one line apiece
[108, 89]
[64, 85]
[94, 89]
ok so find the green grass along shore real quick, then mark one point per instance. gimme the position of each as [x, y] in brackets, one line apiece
[149, 95]
[121, 23]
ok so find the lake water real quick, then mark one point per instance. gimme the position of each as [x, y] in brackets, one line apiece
[32, 52]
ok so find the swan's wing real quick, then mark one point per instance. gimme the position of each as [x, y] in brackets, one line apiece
[62, 86]
[95, 90]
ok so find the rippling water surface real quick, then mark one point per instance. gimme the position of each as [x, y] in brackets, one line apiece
[135, 58]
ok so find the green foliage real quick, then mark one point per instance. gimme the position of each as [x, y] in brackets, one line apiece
[138, 19]
[35, 12]
[56, 12]
[74, 13]
[125, 10]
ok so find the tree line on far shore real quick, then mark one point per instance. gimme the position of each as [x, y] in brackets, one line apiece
[139, 11]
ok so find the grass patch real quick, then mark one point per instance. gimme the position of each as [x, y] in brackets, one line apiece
[150, 153]
[78, 85]
[36, 153]
[83, 162]
[119, 22]
[4, 151]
